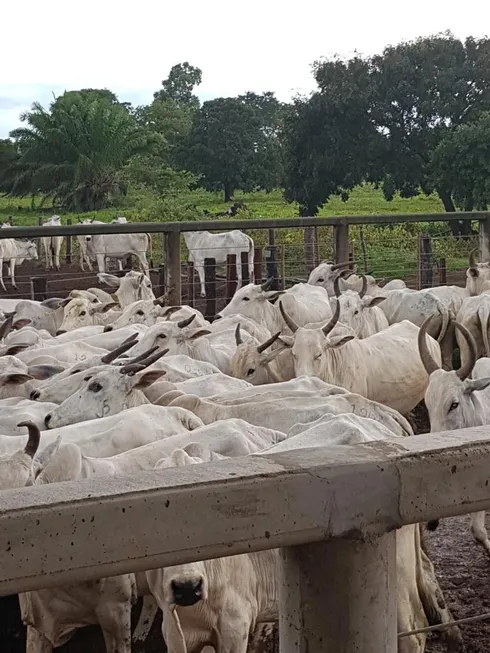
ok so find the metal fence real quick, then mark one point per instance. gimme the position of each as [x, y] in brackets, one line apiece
[386, 246]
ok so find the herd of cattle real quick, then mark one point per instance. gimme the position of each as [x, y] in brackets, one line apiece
[113, 384]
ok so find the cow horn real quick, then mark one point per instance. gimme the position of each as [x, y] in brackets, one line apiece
[466, 369]
[6, 327]
[267, 284]
[124, 346]
[186, 322]
[344, 264]
[144, 355]
[170, 310]
[362, 292]
[132, 368]
[336, 281]
[289, 320]
[472, 257]
[268, 343]
[425, 355]
[335, 318]
[34, 438]
[238, 335]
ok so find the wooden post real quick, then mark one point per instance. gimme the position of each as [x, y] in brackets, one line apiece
[354, 611]
[425, 262]
[161, 281]
[258, 265]
[172, 260]
[484, 238]
[317, 247]
[341, 243]
[271, 259]
[245, 270]
[442, 272]
[39, 289]
[352, 255]
[282, 281]
[210, 287]
[37, 241]
[190, 284]
[230, 276]
[69, 244]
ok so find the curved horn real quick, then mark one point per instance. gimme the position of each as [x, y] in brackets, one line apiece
[472, 257]
[466, 369]
[289, 320]
[186, 322]
[425, 355]
[238, 335]
[362, 292]
[6, 327]
[267, 284]
[144, 355]
[268, 343]
[34, 438]
[132, 368]
[336, 281]
[344, 264]
[124, 346]
[335, 318]
[170, 310]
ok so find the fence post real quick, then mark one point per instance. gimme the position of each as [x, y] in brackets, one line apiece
[425, 262]
[442, 272]
[172, 267]
[190, 284]
[210, 287]
[230, 276]
[484, 238]
[271, 259]
[245, 270]
[161, 280]
[39, 288]
[69, 244]
[341, 243]
[356, 610]
[352, 254]
[258, 265]
[282, 281]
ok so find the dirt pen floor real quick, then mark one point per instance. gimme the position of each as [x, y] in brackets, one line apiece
[463, 568]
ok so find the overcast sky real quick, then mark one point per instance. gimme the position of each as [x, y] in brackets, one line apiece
[129, 47]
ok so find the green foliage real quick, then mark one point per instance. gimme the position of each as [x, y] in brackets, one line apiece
[151, 172]
[461, 164]
[8, 155]
[74, 153]
[179, 86]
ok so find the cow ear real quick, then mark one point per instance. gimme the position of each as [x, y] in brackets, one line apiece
[109, 279]
[52, 303]
[147, 378]
[372, 301]
[198, 334]
[271, 355]
[272, 295]
[102, 308]
[44, 371]
[15, 378]
[18, 324]
[474, 385]
[334, 342]
[473, 272]
[287, 341]
[44, 457]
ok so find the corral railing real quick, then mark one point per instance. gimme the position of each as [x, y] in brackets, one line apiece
[333, 512]
[340, 249]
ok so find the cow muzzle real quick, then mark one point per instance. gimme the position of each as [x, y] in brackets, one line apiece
[187, 593]
[47, 419]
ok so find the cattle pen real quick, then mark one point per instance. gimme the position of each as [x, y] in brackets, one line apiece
[422, 261]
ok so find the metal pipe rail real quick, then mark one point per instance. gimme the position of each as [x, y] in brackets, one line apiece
[332, 511]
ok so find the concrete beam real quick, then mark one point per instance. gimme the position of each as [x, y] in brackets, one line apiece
[67, 532]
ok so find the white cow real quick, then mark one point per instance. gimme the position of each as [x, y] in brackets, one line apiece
[325, 274]
[202, 386]
[306, 303]
[119, 246]
[203, 245]
[18, 379]
[23, 410]
[52, 244]
[15, 252]
[46, 315]
[476, 275]
[474, 315]
[361, 311]
[133, 287]
[81, 313]
[454, 401]
[385, 367]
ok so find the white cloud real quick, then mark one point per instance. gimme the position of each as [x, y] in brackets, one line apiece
[257, 45]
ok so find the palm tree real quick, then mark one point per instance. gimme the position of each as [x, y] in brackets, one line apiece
[75, 152]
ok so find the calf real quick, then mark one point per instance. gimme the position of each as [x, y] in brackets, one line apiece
[52, 244]
[133, 287]
[15, 252]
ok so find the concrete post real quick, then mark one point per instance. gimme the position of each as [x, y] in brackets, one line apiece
[339, 596]
[484, 238]
[172, 267]
[341, 243]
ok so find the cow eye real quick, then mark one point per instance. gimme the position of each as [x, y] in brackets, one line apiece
[140, 312]
[317, 357]
[95, 386]
[251, 371]
[76, 372]
[356, 312]
[87, 378]
[246, 299]
[83, 312]
[161, 335]
[453, 406]
[321, 280]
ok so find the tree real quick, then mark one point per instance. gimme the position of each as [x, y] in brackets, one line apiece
[230, 148]
[179, 86]
[74, 152]
[461, 164]
[8, 155]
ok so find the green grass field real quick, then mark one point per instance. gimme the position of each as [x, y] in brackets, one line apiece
[391, 251]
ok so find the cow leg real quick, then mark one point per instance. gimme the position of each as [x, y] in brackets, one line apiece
[1, 275]
[115, 622]
[199, 267]
[410, 611]
[37, 643]
[233, 631]
[57, 256]
[479, 530]
[149, 610]
[143, 263]
[100, 262]
[12, 273]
